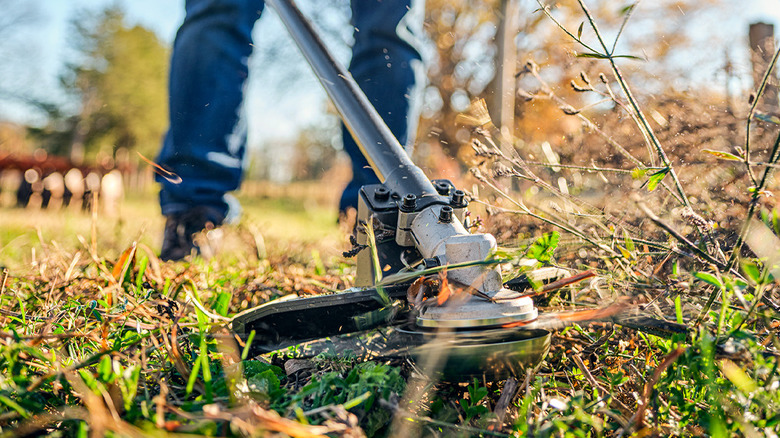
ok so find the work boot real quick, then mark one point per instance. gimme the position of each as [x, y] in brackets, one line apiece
[179, 238]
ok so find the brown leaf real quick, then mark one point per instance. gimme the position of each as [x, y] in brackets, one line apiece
[559, 320]
[172, 425]
[416, 292]
[122, 264]
[639, 416]
[272, 421]
[563, 282]
[444, 289]
[568, 280]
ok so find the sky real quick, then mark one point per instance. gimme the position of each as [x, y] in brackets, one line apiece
[271, 116]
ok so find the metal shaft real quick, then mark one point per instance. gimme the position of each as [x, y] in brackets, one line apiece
[382, 150]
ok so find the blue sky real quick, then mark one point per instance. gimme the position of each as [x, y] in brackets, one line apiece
[278, 118]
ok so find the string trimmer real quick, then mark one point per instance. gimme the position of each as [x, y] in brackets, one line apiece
[409, 226]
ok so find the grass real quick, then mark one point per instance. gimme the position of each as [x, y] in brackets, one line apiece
[72, 335]
[86, 350]
[293, 220]
[23, 231]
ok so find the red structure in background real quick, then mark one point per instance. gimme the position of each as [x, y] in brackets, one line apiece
[50, 181]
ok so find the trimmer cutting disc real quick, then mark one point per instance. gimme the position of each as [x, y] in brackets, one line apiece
[478, 312]
[479, 337]
[459, 355]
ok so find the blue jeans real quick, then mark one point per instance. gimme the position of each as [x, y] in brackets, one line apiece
[206, 142]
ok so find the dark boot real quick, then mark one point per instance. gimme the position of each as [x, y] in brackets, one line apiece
[180, 229]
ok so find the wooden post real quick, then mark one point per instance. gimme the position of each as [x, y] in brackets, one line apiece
[762, 48]
[501, 101]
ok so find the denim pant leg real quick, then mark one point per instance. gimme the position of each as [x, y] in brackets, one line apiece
[383, 59]
[206, 140]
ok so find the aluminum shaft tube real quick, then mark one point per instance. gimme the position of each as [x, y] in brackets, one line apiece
[382, 150]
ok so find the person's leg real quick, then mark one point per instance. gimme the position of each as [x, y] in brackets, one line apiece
[383, 65]
[206, 140]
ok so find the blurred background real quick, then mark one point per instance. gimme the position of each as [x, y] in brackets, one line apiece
[83, 86]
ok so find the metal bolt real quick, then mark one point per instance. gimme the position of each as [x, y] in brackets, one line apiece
[410, 202]
[445, 215]
[381, 194]
[443, 188]
[458, 198]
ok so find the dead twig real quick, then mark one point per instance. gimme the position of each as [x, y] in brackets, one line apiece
[638, 419]
[682, 239]
[507, 395]
[603, 393]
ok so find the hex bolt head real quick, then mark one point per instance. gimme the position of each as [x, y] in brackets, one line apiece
[443, 188]
[458, 198]
[381, 194]
[445, 215]
[409, 203]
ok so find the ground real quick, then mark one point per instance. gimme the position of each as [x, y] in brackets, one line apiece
[99, 336]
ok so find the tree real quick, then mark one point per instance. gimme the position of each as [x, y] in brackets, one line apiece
[119, 79]
[463, 33]
[315, 150]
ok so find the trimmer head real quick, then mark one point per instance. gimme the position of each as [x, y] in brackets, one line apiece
[477, 312]
[482, 329]
[472, 346]
[432, 231]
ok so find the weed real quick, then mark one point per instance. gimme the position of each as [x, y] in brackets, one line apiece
[360, 389]
[471, 406]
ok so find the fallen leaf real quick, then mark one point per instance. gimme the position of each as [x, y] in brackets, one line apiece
[444, 289]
